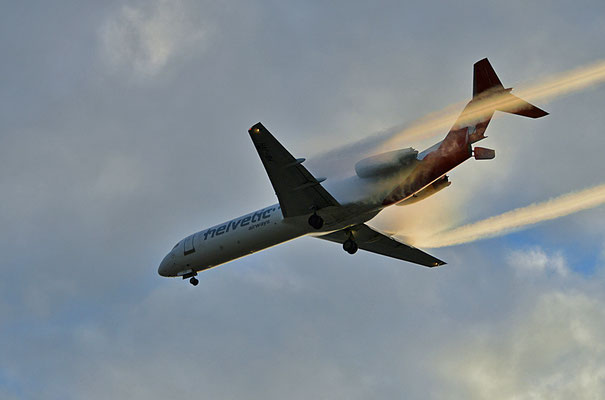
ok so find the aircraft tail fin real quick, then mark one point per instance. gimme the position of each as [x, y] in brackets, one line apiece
[486, 84]
[485, 78]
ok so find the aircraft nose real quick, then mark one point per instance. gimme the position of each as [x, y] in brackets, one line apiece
[164, 268]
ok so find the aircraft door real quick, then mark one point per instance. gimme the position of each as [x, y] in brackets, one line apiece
[188, 245]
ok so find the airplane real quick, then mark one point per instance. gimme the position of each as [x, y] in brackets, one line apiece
[306, 207]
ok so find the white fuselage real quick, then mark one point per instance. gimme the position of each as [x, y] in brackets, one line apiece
[245, 235]
[361, 200]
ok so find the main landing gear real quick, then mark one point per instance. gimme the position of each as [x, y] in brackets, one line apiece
[350, 245]
[194, 281]
[316, 221]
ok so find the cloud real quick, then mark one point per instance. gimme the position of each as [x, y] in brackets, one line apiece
[145, 37]
[100, 179]
[464, 332]
[536, 262]
[120, 175]
[551, 348]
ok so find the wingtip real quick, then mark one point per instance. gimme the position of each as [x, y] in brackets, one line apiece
[256, 127]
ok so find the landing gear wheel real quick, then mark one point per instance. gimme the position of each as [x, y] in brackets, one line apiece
[194, 281]
[316, 221]
[350, 246]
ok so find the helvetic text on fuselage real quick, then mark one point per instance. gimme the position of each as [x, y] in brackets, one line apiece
[250, 221]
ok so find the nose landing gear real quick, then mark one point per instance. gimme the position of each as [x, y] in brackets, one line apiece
[191, 275]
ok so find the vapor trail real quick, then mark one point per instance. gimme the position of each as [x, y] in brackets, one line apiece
[550, 88]
[440, 121]
[518, 218]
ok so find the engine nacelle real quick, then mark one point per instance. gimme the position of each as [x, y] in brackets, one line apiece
[427, 191]
[385, 163]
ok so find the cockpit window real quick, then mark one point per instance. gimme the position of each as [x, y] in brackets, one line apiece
[176, 245]
[188, 246]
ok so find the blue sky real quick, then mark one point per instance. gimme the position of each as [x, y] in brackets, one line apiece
[124, 128]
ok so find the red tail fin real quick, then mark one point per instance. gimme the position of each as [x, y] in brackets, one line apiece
[486, 83]
[485, 78]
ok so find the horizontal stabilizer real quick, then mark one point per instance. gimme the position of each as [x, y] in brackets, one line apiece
[522, 107]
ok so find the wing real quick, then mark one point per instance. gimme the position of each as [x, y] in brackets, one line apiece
[371, 240]
[297, 190]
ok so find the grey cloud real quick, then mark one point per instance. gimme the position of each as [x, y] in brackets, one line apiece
[145, 37]
[99, 177]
